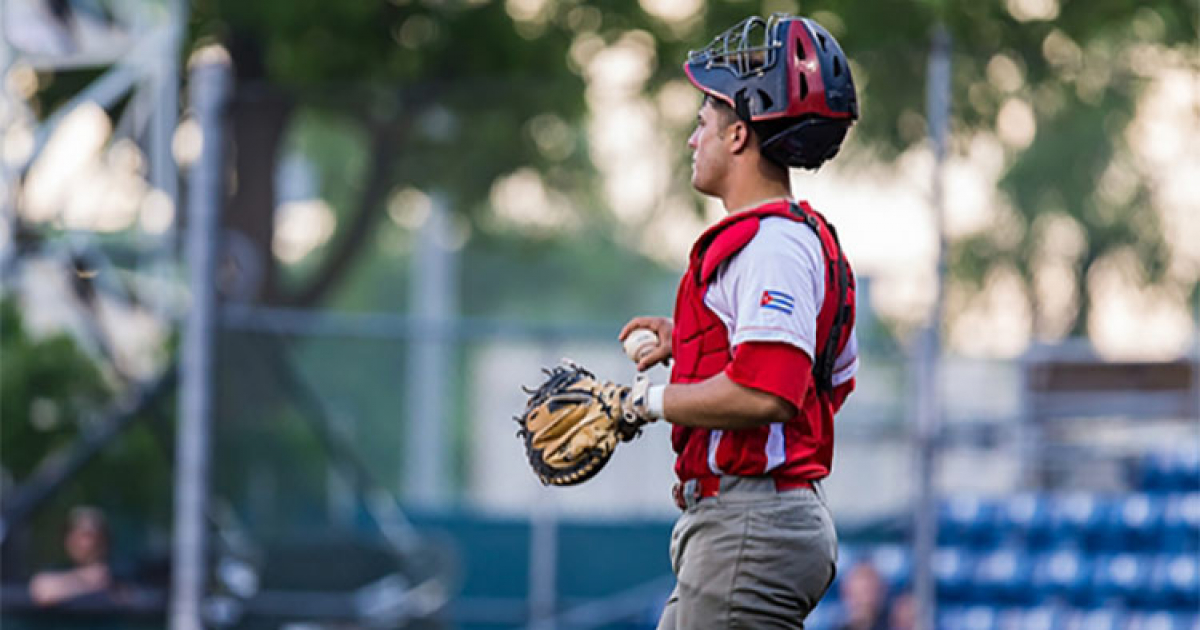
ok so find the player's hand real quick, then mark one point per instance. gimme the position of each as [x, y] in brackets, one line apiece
[635, 409]
[663, 328]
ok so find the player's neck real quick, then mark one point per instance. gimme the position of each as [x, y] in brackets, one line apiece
[753, 193]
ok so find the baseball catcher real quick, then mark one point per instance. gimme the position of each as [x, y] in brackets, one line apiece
[573, 423]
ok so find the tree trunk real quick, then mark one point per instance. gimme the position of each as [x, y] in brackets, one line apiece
[259, 118]
[351, 239]
[1079, 327]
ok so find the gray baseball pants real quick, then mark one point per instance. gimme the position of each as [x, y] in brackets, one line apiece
[750, 557]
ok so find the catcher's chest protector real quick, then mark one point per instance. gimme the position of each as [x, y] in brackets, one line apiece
[700, 344]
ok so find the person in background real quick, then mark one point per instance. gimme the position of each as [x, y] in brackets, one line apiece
[904, 612]
[864, 599]
[86, 542]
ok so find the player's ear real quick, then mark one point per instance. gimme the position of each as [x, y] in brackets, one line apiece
[738, 136]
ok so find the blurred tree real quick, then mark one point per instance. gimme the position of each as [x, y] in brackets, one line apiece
[1059, 83]
[49, 393]
[47, 385]
[473, 75]
[414, 78]
[1056, 82]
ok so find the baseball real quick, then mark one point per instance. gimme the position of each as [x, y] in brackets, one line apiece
[639, 342]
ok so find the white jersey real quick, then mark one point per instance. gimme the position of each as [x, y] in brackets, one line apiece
[773, 289]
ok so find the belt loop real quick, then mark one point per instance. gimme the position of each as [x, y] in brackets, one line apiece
[686, 494]
[691, 492]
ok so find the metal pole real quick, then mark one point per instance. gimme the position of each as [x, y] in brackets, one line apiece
[543, 564]
[208, 91]
[928, 394]
[164, 173]
[434, 306]
[10, 112]
[543, 543]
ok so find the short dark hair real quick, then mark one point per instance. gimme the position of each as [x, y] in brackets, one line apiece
[761, 130]
[82, 515]
[758, 130]
[727, 114]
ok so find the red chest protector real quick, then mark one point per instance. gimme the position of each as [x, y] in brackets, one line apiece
[700, 347]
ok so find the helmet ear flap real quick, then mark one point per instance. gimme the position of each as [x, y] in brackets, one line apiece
[808, 143]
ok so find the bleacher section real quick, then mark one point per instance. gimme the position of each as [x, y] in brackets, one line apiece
[1055, 560]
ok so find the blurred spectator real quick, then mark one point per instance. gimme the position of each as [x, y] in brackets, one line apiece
[864, 598]
[86, 543]
[903, 614]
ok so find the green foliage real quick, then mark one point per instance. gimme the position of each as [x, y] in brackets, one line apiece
[47, 387]
[438, 75]
[1081, 77]
[50, 396]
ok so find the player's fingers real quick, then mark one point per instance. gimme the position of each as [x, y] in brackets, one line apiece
[659, 354]
[639, 322]
[628, 328]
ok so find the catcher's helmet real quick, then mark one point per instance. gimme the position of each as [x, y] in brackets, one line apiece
[787, 76]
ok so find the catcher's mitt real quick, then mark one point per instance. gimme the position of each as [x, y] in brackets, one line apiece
[572, 424]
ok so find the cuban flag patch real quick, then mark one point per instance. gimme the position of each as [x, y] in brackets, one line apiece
[777, 300]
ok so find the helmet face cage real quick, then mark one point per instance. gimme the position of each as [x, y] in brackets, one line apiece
[745, 48]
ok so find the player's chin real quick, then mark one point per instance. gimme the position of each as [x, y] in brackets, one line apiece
[702, 188]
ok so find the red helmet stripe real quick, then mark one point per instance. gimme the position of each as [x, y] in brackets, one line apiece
[703, 88]
[810, 67]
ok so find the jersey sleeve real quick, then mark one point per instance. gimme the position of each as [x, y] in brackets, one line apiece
[772, 290]
[775, 368]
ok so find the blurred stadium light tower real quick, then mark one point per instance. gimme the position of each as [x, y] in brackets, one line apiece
[137, 42]
[209, 86]
[928, 398]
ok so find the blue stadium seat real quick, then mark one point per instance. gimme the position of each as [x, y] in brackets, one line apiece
[1095, 619]
[1076, 519]
[1038, 618]
[1122, 578]
[949, 617]
[978, 617]
[954, 570]
[1169, 471]
[967, 520]
[1025, 520]
[1002, 576]
[1010, 618]
[1182, 472]
[1063, 575]
[1151, 472]
[1179, 577]
[1133, 523]
[1189, 471]
[894, 563]
[1158, 620]
[1181, 522]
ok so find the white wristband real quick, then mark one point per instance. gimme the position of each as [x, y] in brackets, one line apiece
[654, 401]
